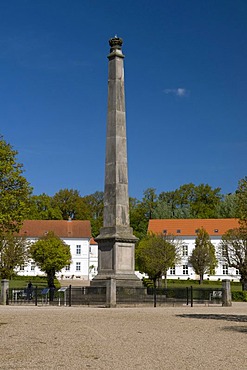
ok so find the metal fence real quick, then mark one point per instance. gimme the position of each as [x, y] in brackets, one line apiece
[125, 296]
[187, 295]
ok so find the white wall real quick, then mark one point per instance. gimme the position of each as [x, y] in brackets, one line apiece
[82, 257]
[88, 260]
[180, 272]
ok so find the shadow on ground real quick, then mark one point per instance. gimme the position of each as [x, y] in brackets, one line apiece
[235, 318]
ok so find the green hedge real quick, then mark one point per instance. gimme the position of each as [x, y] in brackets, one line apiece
[239, 296]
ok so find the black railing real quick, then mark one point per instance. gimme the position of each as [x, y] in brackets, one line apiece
[188, 295]
[96, 296]
[66, 296]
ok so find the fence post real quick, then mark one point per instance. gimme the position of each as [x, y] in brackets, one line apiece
[187, 296]
[226, 293]
[36, 295]
[70, 295]
[111, 293]
[4, 289]
[191, 296]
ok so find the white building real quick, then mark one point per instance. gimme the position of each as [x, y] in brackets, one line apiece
[84, 250]
[76, 234]
[185, 232]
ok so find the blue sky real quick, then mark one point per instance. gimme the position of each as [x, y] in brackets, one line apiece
[185, 84]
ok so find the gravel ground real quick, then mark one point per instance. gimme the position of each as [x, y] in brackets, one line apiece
[123, 338]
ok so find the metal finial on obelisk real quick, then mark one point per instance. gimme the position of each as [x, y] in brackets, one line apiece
[116, 242]
[115, 43]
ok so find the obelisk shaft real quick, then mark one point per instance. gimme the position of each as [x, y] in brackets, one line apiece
[116, 199]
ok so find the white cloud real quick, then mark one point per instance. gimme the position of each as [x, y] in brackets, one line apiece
[180, 91]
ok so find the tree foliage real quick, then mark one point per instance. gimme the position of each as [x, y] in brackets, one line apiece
[138, 218]
[242, 201]
[189, 201]
[228, 206]
[149, 202]
[94, 207]
[13, 253]
[203, 258]
[66, 200]
[155, 254]
[51, 254]
[15, 191]
[42, 208]
[234, 251]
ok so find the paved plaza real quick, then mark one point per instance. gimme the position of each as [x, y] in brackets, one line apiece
[197, 337]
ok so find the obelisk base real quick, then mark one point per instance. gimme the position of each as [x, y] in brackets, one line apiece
[116, 256]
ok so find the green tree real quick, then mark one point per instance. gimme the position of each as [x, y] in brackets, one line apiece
[66, 200]
[205, 201]
[15, 191]
[14, 252]
[155, 254]
[189, 201]
[51, 254]
[138, 219]
[41, 208]
[149, 202]
[142, 211]
[242, 201]
[203, 258]
[93, 210]
[228, 207]
[234, 251]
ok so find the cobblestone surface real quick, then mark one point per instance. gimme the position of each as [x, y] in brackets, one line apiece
[123, 338]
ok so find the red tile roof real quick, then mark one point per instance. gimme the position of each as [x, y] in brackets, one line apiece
[93, 242]
[188, 227]
[62, 228]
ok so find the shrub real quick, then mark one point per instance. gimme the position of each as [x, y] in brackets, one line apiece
[239, 296]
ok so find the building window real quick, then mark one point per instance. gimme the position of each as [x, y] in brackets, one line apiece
[185, 270]
[90, 249]
[224, 251]
[185, 250]
[225, 269]
[178, 231]
[78, 249]
[237, 272]
[78, 266]
[172, 271]
[22, 268]
[32, 266]
[67, 268]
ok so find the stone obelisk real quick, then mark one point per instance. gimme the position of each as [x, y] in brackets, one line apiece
[116, 242]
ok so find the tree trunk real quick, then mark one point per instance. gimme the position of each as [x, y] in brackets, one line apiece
[51, 285]
[165, 279]
[244, 283]
[159, 282]
[201, 279]
[155, 292]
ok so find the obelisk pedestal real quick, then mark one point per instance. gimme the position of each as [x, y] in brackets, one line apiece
[116, 242]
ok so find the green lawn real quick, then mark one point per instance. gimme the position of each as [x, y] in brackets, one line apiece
[20, 282]
[206, 284]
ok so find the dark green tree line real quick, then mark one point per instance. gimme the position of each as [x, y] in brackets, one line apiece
[188, 201]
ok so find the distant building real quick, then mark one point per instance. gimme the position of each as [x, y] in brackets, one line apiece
[185, 231]
[76, 234]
